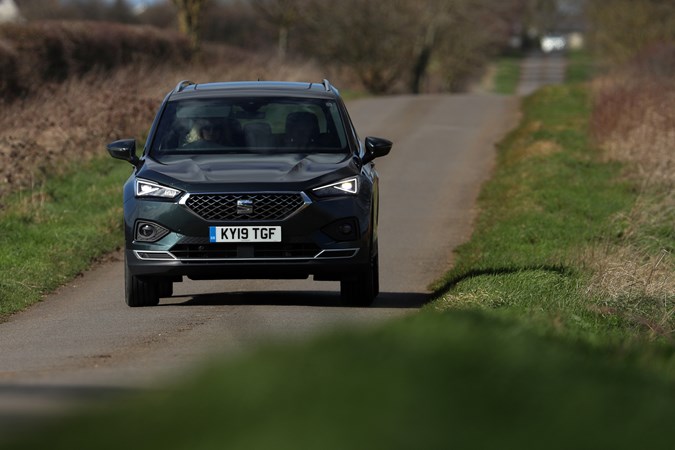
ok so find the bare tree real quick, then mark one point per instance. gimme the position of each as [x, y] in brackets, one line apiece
[434, 17]
[393, 44]
[371, 37]
[474, 32]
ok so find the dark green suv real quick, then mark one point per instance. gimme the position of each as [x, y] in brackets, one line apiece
[251, 180]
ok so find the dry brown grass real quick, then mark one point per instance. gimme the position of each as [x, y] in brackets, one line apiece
[636, 285]
[45, 133]
[633, 123]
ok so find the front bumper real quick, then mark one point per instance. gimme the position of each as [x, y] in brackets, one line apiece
[310, 245]
[320, 269]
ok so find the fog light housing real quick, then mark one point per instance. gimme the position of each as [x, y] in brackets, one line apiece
[346, 229]
[149, 232]
[343, 230]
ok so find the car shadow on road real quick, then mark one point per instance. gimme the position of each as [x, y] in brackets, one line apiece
[402, 300]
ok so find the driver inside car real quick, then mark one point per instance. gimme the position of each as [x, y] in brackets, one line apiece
[204, 131]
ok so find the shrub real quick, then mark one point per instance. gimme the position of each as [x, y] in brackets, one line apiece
[44, 52]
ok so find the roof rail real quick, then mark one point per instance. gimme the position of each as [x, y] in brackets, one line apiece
[326, 85]
[182, 85]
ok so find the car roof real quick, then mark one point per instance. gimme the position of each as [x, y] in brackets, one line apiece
[187, 89]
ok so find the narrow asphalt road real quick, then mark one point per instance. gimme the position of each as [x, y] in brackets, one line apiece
[84, 343]
[540, 69]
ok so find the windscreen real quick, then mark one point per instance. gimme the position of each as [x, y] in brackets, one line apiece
[258, 125]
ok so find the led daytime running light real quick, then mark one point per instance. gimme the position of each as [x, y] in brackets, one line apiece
[146, 188]
[346, 186]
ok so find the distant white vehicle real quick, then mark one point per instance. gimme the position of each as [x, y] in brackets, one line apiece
[553, 42]
[9, 11]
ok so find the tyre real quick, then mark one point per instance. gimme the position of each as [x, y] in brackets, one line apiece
[375, 267]
[139, 291]
[362, 290]
[165, 288]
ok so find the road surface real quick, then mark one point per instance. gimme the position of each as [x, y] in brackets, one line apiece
[83, 343]
[539, 69]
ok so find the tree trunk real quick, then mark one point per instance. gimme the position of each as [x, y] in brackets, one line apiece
[422, 59]
[188, 20]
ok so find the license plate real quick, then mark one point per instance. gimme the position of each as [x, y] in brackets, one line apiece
[245, 234]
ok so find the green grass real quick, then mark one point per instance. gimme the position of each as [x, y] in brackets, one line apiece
[550, 199]
[550, 204]
[507, 75]
[580, 66]
[53, 232]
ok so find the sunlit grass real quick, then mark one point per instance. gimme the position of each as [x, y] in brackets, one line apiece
[542, 206]
[549, 248]
[54, 231]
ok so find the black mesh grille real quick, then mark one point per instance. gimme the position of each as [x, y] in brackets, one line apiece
[224, 206]
[227, 251]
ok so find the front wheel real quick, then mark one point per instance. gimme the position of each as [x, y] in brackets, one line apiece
[165, 288]
[362, 290]
[140, 291]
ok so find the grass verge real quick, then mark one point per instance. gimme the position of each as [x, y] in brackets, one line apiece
[554, 212]
[580, 67]
[54, 231]
[549, 199]
[507, 75]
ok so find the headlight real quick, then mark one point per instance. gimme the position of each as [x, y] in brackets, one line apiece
[146, 188]
[346, 186]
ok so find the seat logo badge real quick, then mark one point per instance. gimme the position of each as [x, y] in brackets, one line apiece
[244, 206]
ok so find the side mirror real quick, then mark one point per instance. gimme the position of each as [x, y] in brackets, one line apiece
[376, 147]
[124, 149]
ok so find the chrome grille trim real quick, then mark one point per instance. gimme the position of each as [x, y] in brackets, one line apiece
[321, 254]
[153, 255]
[268, 206]
[337, 253]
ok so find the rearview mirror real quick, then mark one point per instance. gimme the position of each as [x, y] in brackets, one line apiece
[376, 147]
[124, 149]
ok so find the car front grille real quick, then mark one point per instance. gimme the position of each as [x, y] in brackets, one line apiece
[264, 206]
[186, 252]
